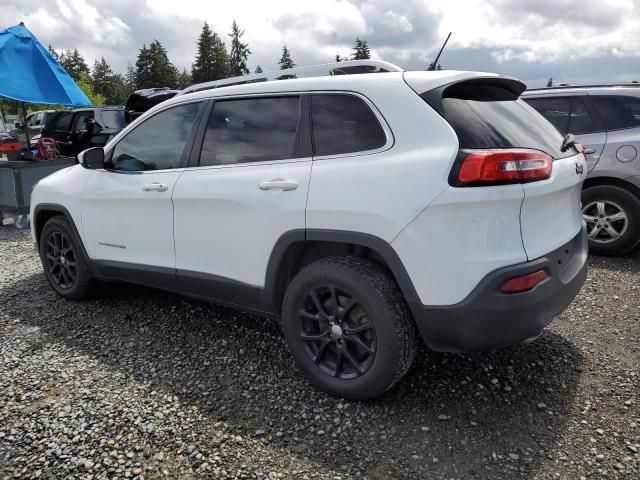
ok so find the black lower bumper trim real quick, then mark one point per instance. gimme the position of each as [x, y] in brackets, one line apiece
[488, 319]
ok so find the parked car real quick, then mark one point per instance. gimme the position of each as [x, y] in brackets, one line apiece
[9, 145]
[77, 130]
[437, 200]
[35, 122]
[606, 120]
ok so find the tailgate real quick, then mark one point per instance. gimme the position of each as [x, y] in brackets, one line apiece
[551, 213]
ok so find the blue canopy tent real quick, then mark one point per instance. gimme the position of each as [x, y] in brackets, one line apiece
[28, 72]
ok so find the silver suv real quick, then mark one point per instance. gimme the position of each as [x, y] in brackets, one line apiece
[606, 121]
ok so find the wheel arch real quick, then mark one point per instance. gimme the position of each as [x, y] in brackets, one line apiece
[298, 248]
[612, 181]
[45, 211]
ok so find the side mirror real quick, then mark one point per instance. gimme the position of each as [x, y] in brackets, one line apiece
[92, 158]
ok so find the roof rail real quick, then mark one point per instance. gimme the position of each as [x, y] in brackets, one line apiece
[348, 67]
[564, 87]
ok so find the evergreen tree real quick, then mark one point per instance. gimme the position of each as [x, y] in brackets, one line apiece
[184, 79]
[153, 68]
[550, 82]
[130, 77]
[258, 69]
[361, 50]
[73, 62]
[211, 59]
[53, 53]
[102, 79]
[285, 60]
[239, 52]
[120, 90]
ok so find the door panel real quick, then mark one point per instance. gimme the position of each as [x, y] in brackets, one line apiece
[128, 217]
[226, 223]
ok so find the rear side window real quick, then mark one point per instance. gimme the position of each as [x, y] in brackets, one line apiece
[344, 123]
[617, 111]
[567, 114]
[251, 130]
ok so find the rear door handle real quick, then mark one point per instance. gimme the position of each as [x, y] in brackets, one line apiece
[588, 151]
[155, 187]
[278, 184]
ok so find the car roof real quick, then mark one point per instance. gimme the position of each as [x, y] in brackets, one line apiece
[102, 107]
[567, 89]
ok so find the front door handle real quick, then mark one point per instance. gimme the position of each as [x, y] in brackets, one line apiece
[278, 184]
[155, 187]
[588, 151]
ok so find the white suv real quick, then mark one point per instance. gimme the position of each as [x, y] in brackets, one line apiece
[354, 208]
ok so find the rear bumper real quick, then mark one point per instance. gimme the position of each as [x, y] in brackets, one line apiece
[488, 319]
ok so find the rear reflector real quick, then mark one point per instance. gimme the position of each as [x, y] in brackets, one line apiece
[10, 147]
[524, 283]
[482, 167]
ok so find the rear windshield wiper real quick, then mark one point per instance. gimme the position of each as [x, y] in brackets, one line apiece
[568, 141]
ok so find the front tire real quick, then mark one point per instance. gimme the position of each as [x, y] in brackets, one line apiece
[348, 327]
[613, 220]
[65, 265]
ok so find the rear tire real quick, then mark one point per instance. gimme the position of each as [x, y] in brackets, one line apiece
[618, 211]
[348, 327]
[63, 260]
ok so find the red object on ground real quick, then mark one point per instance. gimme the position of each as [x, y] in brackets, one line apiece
[47, 149]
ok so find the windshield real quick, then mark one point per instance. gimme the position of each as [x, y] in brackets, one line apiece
[110, 119]
[3, 129]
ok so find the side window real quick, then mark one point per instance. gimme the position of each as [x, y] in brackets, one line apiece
[556, 110]
[82, 119]
[251, 130]
[63, 122]
[618, 112]
[344, 123]
[567, 114]
[32, 120]
[157, 143]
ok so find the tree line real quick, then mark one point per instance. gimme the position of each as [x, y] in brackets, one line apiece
[152, 68]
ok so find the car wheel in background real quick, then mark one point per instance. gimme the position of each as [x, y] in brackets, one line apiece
[613, 219]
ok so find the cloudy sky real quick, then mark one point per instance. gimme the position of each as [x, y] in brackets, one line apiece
[573, 41]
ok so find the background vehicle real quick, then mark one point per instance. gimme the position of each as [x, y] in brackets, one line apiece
[606, 120]
[9, 144]
[35, 122]
[76, 130]
[437, 200]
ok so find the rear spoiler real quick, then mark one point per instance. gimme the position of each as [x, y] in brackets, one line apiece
[481, 89]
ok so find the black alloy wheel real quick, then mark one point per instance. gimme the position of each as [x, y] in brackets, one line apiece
[339, 337]
[60, 260]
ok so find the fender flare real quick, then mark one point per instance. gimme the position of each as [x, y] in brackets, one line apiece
[377, 244]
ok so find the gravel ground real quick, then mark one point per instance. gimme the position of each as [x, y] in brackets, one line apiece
[142, 384]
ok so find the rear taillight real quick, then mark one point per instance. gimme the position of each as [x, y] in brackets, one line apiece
[524, 283]
[10, 147]
[486, 167]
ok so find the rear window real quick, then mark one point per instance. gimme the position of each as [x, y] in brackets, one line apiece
[618, 112]
[496, 118]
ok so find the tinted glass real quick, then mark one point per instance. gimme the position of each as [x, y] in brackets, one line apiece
[158, 142]
[344, 124]
[567, 114]
[110, 119]
[32, 120]
[618, 112]
[63, 123]
[82, 120]
[3, 128]
[502, 124]
[251, 130]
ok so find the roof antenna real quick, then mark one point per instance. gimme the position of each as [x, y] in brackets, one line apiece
[435, 62]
